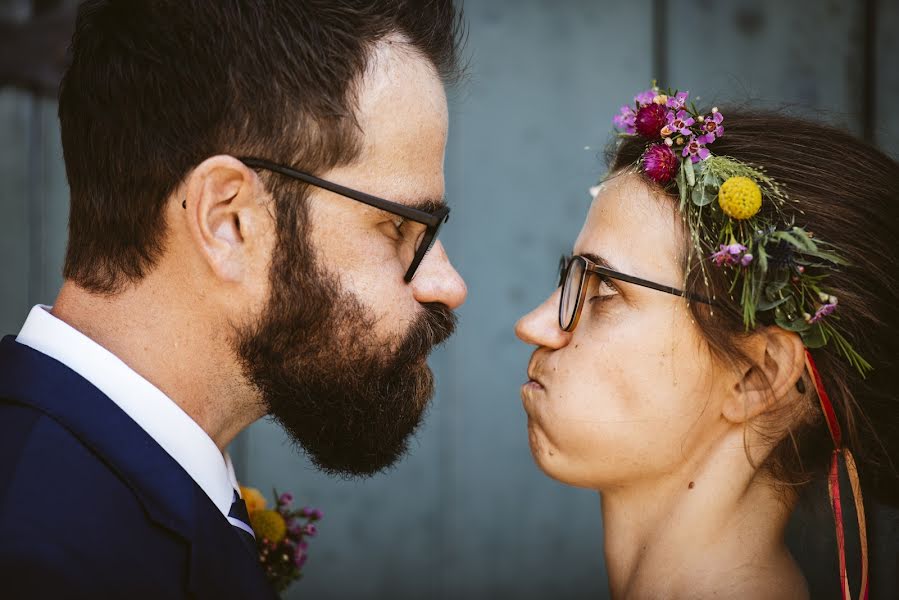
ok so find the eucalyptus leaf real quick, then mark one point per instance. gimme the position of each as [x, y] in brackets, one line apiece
[703, 196]
[769, 304]
[690, 172]
[681, 186]
[761, 256]
[798, 325]
[814, 336]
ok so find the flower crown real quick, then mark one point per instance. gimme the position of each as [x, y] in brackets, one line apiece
[776, 267]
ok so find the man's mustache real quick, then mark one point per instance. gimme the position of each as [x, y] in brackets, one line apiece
[431, 328]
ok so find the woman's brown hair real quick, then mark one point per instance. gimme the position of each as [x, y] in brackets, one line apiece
[846, 192]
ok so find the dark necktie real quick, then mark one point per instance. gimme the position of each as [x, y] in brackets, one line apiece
[240, 521]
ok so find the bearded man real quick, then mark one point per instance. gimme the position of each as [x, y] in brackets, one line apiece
[256, 192]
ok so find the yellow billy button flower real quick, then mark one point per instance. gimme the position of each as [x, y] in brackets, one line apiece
[253, 499]
[740, 198]
[268, 524]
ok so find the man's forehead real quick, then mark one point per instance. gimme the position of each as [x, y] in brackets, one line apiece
[403, 115]
[400, 86]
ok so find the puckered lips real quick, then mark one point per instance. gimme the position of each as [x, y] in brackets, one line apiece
[534, 382]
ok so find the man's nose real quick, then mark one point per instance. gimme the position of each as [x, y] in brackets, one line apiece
[436, 280]
[540, 327]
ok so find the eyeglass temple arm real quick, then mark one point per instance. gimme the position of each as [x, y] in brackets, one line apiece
[649, 284]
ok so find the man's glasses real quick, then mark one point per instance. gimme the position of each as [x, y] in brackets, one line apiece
[573, 272]
[431, 221]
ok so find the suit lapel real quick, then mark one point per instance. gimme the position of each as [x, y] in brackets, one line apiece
[170, 496]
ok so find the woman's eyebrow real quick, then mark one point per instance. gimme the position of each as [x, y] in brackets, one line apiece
[599, 260]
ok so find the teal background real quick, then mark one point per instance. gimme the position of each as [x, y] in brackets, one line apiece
[467, 514]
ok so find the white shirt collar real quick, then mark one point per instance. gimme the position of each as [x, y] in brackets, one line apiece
[156, 413]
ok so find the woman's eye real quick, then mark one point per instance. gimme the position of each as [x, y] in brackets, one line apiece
[603, 291]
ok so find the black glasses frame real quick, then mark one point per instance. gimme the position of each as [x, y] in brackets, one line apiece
[565, 265]
[433, 221]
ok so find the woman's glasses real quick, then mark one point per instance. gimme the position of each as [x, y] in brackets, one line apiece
[573, 272]
[432, 221]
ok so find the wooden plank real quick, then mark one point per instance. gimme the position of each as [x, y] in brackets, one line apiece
[524, 145]
[15, 117]
[806, 56]
[53, 199]
[886, 124]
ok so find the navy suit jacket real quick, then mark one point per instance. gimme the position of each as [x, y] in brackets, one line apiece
[92, 507]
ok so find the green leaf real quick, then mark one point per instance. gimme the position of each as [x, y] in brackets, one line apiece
[703, 196]
[799, 324]
[814, 337]
[769, 304]
[681, 186]
[691, 174]
[828, 256]
[761, 258]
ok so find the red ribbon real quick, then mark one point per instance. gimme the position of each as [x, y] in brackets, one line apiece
[834, 487]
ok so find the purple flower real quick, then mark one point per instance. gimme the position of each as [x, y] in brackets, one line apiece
[696, 150]
[712, 127]
[644, 98]
[660, 163]
[679, 100]
[625, 120]
[311, 530]
[823, 311]
[731, 254]
[680, 122]
[295, 528]
[649, 120]
[299, 557]
[285, 498]
[316, 514]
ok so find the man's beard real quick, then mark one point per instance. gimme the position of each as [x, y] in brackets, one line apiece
[349, 399]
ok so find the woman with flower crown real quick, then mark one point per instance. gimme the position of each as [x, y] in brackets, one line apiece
[724, 335]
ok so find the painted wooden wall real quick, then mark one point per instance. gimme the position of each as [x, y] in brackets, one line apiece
[467, 514]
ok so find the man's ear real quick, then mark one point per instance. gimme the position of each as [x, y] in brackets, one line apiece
[224, 217]
[777, 361]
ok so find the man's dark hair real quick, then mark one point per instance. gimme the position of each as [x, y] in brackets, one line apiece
[157, 86]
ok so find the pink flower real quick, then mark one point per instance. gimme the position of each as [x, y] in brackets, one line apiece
[681, 121]
[649, 120]
[712, 127]
[696, 150]
[822, 312]
[660, 163]
[624, 121]
[644, 98]
[732, 254]
[678, 101]
[285, 498]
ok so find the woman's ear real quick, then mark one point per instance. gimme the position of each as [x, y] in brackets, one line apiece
[777, 361]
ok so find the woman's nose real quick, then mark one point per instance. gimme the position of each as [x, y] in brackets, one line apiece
[540, 327]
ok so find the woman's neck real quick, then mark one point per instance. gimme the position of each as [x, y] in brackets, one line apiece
[712, 528]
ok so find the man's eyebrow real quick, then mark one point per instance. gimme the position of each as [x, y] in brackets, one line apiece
[428, 205]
